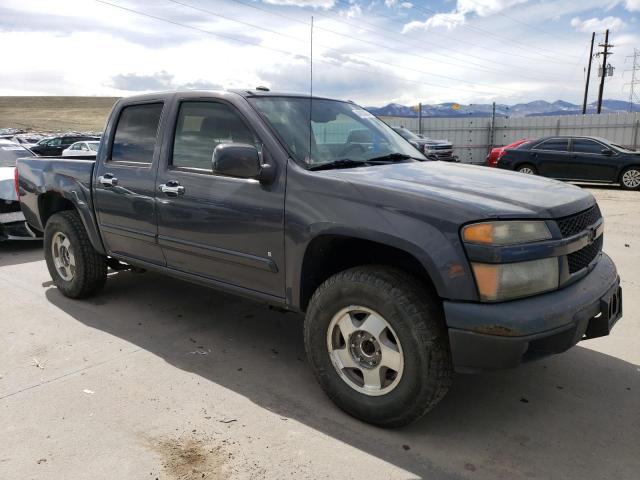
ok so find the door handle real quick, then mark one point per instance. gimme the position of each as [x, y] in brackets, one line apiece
[108, 180]
[172, 189]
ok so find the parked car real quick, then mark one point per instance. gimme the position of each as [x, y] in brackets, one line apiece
[433, 149]
[406, 269]
[587, 159]
[85, 148]
[12, 222]
[53, 146]
[496, 153]
[27, 140]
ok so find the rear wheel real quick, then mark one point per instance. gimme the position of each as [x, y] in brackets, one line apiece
[527, 169]
[376, 341]
[76, 268]
[630, 178]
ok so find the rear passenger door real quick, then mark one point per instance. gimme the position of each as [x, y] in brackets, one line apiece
[552, 158]
[219, 228]
[124, 183]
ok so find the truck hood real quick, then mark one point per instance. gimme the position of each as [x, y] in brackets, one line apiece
[7, 183]
[479, 192]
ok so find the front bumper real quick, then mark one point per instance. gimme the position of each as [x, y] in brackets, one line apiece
[502, 335]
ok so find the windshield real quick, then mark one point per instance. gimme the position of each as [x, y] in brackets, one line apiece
[624, 149]
[9, 153]
[340, 130]
[93, 145]
[408, 134]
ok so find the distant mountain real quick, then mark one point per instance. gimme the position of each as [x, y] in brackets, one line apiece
[532, 109]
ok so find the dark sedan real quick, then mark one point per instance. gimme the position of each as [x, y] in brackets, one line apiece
[53, 146]
[585, 159]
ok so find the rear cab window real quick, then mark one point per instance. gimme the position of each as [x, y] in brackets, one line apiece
[135, 136]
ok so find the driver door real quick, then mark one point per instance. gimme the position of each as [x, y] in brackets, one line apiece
[223, 229]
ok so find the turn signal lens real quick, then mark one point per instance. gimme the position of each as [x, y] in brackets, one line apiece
[499, 282]
[505, 232]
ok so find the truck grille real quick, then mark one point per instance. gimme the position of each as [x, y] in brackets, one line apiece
[576, 223]
[583, 257]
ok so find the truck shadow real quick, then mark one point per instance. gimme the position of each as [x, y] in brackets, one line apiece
[15, 252]
[573, 416]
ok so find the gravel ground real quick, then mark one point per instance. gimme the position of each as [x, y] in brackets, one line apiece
[155, 378]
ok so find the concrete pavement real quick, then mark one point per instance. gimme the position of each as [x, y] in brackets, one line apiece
[156, 378]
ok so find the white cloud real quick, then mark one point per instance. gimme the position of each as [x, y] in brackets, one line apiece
[484, 8]
[597, 24]
[325, 4]
[406, 5]
[458, 16]
[353, 11]
[447, 20]
[390, 3]
[632, 5]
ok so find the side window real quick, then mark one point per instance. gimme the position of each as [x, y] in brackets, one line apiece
[582, 145]
[557, 144]
[55, 142]
[75, 146]
[201, 127]
[135, 136]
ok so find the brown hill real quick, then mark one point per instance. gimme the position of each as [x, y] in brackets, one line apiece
[55, 114]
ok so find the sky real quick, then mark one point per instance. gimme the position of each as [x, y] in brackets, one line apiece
[373, 52]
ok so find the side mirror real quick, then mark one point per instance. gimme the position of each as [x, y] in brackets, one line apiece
[606, 151]
[241, 161]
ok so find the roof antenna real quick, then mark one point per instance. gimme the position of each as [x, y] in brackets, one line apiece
[310, 92]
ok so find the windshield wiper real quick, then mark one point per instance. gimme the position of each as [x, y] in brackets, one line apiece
[341, 163]
[391, 157]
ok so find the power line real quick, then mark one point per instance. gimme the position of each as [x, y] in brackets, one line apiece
[342, 52]
[450, 37]
[532, 27]
[288, 53]
[466, 64]
[524, 46]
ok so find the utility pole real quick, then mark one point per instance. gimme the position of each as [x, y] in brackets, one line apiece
[634, 85]
[606, 47]
[420, 118]
[586, 85]
[492, 132]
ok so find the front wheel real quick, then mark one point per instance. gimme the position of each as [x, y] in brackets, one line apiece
[76, 268]
[630, 178]
[376, 341]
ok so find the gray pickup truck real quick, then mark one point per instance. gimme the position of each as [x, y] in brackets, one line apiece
[406, 269]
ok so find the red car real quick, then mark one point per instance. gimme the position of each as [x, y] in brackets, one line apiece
[496, 153]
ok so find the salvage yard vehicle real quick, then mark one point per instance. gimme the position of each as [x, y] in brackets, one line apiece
[433, 149]
[406, 269]
[89, 148]
[12, 223]
[53, 146]
[496, 153]
[586, 159]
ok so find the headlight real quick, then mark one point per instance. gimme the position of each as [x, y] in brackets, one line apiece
[506, 232]
[499, 282]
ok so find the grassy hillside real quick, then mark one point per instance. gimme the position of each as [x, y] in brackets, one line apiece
[53, 114]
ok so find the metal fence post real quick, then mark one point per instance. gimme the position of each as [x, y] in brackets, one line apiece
[635, 134]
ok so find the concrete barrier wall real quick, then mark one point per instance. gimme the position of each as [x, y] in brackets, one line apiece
[473, 137]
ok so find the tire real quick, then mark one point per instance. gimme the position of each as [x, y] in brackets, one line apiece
[630, 178]
[414, 314]
[76, 268]
[527, 169]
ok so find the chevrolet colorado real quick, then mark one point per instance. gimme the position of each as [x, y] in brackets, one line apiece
[406, 269]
